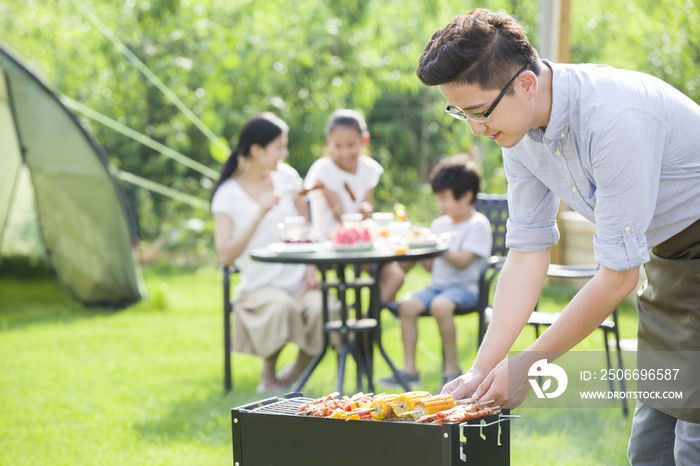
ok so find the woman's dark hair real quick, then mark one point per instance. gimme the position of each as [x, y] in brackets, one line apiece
[480, 48]
[458, 174]
[262, 129]
[346, 117]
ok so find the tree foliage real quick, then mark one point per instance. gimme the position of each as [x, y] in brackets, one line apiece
[229, 60]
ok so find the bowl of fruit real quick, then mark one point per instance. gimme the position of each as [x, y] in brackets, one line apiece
[352, 238]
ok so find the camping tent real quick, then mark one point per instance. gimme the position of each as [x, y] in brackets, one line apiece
[55, 182]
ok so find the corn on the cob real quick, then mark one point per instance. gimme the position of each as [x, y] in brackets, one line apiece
[432, 405]
[381, 407]
[407, 401]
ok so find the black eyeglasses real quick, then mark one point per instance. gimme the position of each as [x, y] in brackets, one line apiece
[460, 114]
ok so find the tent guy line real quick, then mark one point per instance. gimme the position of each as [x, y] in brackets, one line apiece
[162, 189]
[119, 45]
[141, 138]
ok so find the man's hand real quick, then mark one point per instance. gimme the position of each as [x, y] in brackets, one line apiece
[465, 385]
[495, 385]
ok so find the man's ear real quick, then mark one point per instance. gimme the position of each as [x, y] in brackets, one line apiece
[365, 138]
[528, 83]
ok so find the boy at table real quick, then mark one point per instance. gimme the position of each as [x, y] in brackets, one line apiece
[621, 148]
[455, 274]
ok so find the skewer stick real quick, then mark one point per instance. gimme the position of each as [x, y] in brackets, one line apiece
[487, 402]
[408, 413]
[358, 411]
[466, 401]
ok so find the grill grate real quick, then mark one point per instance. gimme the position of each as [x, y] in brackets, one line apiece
[288, 406]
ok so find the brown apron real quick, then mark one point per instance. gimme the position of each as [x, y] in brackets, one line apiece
[669, 316]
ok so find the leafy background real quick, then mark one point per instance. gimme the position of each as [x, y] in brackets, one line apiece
[229, 60]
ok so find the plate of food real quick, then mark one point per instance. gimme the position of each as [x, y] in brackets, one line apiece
[424, 241]
[294, 248]
[361, 246]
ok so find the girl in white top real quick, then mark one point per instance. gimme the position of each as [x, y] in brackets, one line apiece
[277, 303]
[347, 177]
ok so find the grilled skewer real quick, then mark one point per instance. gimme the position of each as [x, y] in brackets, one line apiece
[380, 409]
[432, 405]
[407, 401]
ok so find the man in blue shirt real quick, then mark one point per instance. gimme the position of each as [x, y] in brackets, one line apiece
[619, 147]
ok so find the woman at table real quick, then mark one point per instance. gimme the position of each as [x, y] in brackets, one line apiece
[277, 303]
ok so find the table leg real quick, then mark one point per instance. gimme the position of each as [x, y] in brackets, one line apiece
[375, 311]
[367, 346]
[342, 357]
[317, 358]
[357, 355]
[344, 341]
[312, 365]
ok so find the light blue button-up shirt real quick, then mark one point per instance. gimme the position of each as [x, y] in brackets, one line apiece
[622, 148]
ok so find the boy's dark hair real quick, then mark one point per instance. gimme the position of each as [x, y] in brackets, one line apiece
[458, 174]
[480, 48]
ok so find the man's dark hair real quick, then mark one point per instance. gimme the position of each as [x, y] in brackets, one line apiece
[458, 174]
[480, 48]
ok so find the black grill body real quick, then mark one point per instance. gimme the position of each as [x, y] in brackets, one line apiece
[271, 433]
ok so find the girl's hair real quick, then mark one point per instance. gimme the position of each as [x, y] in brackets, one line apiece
[262, 129]
[346, 117]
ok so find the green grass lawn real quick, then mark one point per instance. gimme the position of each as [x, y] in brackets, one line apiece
[143, 386]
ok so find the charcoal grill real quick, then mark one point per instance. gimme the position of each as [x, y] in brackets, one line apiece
[270, 432]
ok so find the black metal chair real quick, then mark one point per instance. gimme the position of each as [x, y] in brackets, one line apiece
[495, 208]
[608, 326]
[228, 310]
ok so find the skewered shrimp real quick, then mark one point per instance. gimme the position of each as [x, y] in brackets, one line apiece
[467, 416]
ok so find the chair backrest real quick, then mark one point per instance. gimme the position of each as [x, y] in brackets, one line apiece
[495, 208]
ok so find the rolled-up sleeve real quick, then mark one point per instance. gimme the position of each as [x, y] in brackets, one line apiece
[532, 208]
[626, 160]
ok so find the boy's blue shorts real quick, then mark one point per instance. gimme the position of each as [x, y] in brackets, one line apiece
[459, 295]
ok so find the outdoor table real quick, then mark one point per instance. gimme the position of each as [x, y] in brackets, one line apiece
[365, 327]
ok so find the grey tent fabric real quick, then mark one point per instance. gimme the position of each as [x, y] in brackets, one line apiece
[85, 222]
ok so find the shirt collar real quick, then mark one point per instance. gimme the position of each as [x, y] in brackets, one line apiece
[559, 117]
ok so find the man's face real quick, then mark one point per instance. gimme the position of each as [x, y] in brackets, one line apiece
[510, 120]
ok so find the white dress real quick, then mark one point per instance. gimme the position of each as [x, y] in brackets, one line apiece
[233, 201]
[335, 179]
[271, 309]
